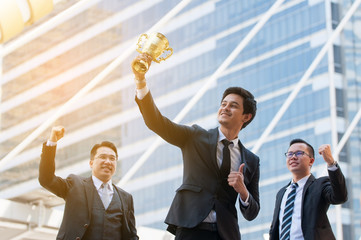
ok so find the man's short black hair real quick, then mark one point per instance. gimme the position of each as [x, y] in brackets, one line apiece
[103, 144]
[310, 148]
[249, 104]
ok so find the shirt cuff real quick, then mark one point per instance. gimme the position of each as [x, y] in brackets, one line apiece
[50, 143]
[245, 203]
[142, 92]
[333, 167]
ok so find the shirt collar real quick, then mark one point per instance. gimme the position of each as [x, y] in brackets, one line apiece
[98, 183]
[301, 183]
[221, 137]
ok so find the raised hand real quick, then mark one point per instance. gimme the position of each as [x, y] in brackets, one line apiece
[57, 133]
[236, 180]
[146, 60]
[325, 151]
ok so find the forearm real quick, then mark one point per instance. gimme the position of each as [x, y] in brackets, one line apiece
[251, 211]
[173, 133]
[338, 185]
[47, 165]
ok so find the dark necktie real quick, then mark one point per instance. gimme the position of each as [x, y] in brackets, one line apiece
[287, 214]
[226, 161]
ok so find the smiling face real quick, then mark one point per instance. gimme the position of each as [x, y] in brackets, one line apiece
[104, 163]
[299, 166]
[231, 113]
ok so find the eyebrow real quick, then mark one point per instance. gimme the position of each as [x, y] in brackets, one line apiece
[230, 102]
[108, 155]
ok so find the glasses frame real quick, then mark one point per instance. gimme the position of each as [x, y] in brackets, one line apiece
[300, 153]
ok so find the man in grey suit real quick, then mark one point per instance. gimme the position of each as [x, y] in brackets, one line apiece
[95, 209]
[305, 217]
[218, 170]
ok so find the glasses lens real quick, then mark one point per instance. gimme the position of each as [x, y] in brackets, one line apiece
[299, 153]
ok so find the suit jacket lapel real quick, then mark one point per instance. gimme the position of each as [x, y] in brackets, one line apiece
[241, 149]
[213, 140]
[123, 206]
[89, 192]
[308, 183]
[244, 160]
[278, 208]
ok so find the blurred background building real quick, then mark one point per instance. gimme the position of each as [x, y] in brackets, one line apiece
[50, 61]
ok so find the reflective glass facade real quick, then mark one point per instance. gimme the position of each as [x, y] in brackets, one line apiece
[202, 36]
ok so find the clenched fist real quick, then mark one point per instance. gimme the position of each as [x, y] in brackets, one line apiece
[143, 59]
[325, 151]
[57, 133]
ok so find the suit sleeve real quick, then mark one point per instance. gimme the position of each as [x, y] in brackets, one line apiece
[335, 191]
[171, 132]
[129, 229]
[251, 211]
[47, 178]
[273, 231]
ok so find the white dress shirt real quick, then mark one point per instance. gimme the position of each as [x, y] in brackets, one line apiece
[296, 229]
[235, 164]
[233, 148]
[97, 183]
[98, 186]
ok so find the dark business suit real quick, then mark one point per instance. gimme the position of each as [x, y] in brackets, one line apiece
[79, 194]
[201, 190]
[317, 196]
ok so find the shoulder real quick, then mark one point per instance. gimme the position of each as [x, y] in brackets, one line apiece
[250, 155]
[123, 192]
[77, 179]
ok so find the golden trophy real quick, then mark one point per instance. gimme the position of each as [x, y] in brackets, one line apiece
[155, 45]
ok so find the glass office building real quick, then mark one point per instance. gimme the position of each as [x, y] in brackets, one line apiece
[43, 74]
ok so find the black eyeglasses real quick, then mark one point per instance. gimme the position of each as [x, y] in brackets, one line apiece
[297, 154]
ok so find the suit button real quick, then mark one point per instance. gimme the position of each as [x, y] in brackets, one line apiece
[86, 225]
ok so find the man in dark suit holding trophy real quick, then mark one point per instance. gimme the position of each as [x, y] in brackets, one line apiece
[218, 170]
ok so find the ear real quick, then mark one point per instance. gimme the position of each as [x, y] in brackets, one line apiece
[312, 161]
[247, 117]
[91, 163]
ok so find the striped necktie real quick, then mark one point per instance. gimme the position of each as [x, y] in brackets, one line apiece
[287, 214]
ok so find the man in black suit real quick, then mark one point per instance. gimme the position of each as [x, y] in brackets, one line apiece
[204, 205]
[313, 196]
[95, 209]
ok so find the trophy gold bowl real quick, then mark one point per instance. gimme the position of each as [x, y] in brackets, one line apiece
[155, 45]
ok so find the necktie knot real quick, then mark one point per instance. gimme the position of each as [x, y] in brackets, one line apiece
[226, 142]
[294, 185]
[105, 186]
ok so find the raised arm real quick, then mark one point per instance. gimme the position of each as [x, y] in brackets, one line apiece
[47, 177]
[337, 192]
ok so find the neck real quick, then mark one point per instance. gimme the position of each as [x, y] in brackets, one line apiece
[230, 134]
[297, 178]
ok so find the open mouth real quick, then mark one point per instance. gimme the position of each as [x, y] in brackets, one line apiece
[107, 169]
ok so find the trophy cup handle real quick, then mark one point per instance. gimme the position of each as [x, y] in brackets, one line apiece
[160, 58]
[140, 41]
